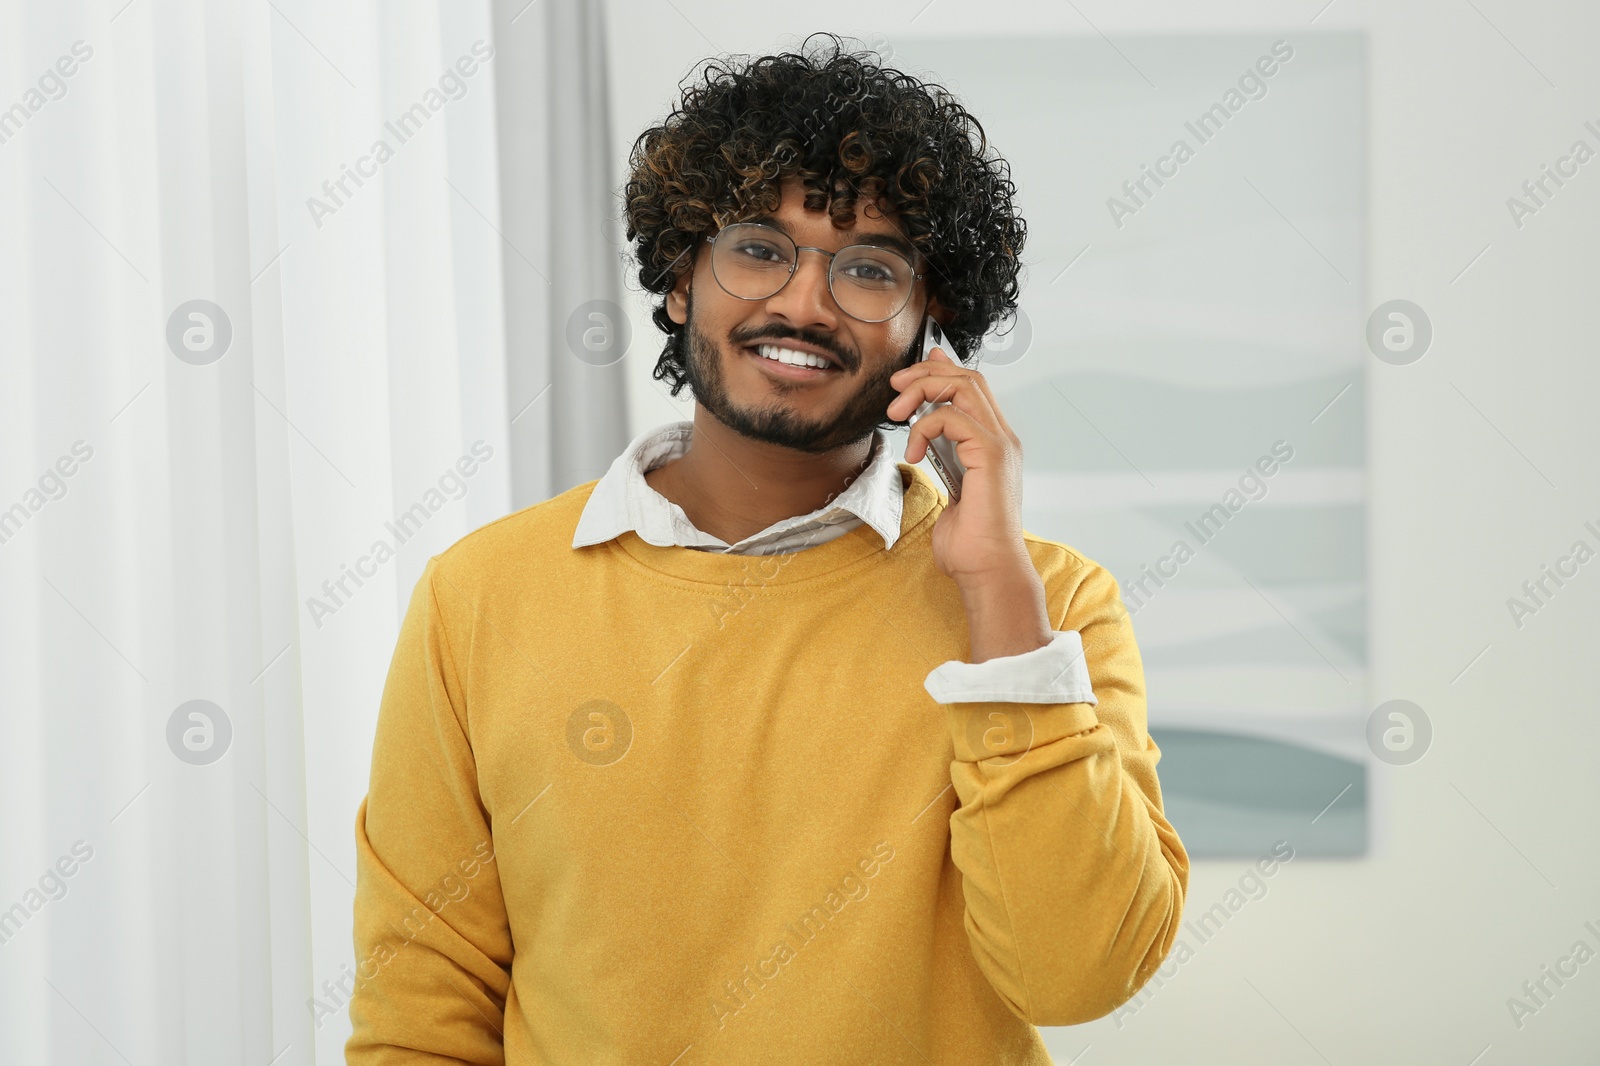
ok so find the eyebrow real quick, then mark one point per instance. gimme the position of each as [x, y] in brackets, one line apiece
[882, 240]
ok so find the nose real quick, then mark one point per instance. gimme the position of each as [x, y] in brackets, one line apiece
[806, 299]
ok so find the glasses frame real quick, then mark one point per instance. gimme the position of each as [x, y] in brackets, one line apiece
[795, 265]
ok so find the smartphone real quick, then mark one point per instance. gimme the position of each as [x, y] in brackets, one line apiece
[941, 449]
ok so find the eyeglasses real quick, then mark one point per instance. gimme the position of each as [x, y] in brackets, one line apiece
[752, 261]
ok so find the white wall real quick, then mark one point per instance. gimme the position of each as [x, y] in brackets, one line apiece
[1482, 469]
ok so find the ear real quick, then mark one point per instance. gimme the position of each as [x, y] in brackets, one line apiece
[678, 298]
[939, 312]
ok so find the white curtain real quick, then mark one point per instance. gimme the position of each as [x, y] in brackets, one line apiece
[256, 365]
[563, 247]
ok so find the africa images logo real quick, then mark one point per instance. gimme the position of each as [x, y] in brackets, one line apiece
[451, 485]
[452, 86]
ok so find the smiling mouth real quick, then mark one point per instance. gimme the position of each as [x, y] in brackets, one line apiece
[788, 371]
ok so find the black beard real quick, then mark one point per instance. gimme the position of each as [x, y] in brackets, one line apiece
[778, 424]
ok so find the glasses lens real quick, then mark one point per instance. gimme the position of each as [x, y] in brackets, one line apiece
[871, 283]
[752, 262]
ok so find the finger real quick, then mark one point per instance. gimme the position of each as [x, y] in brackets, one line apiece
[940, 364]
[970, 438]
[997, 416]
[932, 364]
[988, 393]
[958, 390]
[945, 372]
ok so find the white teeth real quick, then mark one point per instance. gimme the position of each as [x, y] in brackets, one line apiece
[790, 356]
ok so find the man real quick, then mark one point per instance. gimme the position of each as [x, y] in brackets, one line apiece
[758, 748]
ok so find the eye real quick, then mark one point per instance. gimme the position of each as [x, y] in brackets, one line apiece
[868, 272]
[760, 251]
[872, 269]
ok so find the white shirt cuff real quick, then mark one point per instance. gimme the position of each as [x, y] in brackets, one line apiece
[1054, 673]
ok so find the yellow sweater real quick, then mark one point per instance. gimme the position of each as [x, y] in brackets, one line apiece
[637, 804]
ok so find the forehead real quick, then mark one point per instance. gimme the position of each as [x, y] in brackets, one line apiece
[874, 223]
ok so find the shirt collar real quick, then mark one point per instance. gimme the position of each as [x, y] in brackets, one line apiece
[622, 500]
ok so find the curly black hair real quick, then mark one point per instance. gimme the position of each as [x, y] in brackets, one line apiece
[848, 128]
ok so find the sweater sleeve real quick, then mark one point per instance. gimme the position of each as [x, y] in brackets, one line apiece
[433, 947]
[1073, 878]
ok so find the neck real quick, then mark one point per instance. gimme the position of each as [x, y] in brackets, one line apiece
[731, 486]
